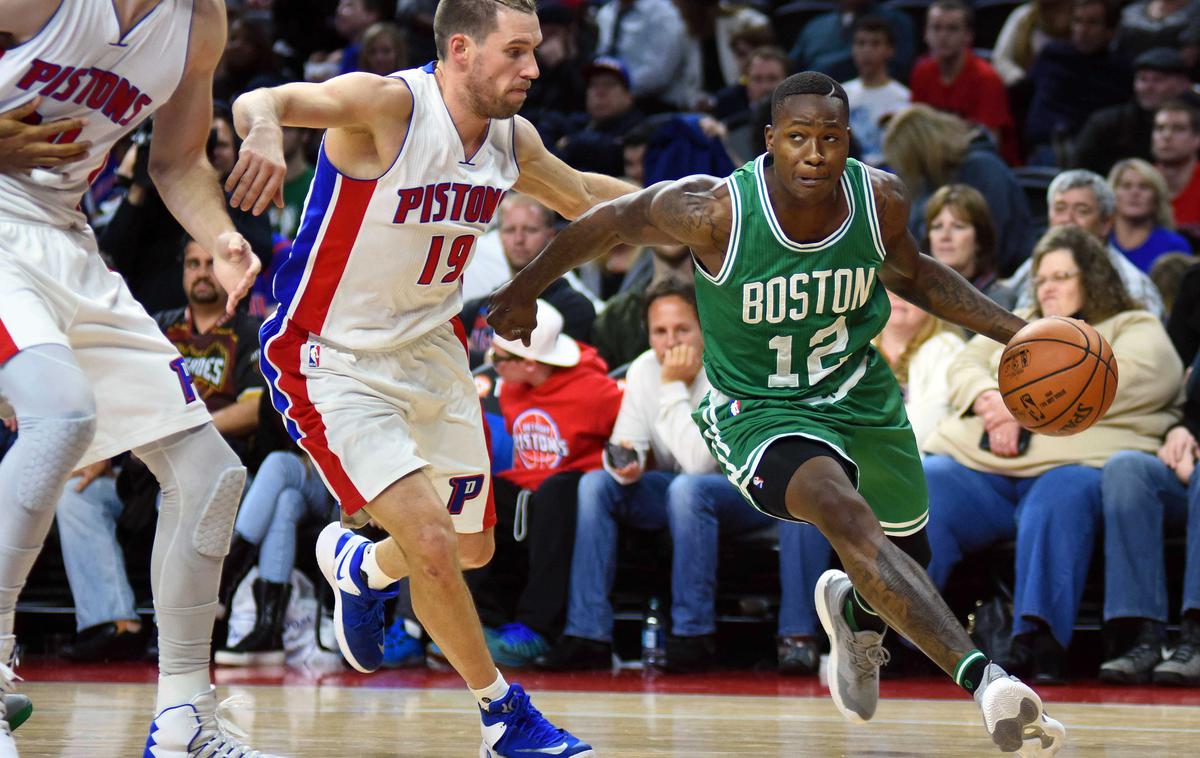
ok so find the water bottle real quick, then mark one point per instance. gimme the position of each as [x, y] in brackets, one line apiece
[652, 637]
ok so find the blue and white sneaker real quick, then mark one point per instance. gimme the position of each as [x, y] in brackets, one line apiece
[199, 729]
[516, 645]
[513, 728]
[357, 609]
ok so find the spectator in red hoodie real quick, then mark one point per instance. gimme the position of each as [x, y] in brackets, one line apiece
[560, 407]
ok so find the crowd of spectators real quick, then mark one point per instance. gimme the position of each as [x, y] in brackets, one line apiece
[1002, 127]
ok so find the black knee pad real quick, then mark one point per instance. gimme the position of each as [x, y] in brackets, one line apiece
[768, 486]
[916, 546]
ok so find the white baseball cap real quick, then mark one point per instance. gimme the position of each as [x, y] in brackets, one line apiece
[547, 344]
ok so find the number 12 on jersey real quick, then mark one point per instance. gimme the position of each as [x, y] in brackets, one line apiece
[819, 346]
[456, 259]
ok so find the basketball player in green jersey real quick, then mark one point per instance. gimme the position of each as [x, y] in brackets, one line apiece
[793, 252]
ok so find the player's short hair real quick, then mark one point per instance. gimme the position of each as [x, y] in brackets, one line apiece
[671, 286]
[1104, 294]
[474, 18]
[870, 24]
[956, 5]
[808, 83]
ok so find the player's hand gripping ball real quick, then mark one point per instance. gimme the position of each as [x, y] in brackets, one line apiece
[1058, 376]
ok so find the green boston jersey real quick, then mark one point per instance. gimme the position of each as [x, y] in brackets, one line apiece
[785, 319]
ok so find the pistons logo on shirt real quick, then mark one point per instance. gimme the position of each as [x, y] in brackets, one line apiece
[537, 443]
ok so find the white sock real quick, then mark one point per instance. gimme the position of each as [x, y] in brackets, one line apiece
[376, 578]
[177, 689]
[495, 691]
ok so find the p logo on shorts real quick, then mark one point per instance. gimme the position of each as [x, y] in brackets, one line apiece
[462, 489]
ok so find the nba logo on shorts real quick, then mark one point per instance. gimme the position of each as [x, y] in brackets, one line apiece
[314, 356]
[735, 408]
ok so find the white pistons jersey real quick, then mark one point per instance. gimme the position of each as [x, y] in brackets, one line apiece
[83, 66]
[379, 262]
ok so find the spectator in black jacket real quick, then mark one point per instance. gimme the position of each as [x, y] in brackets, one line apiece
[1184, 323]
[595, 142]
[1063, 78]
[1123, 131]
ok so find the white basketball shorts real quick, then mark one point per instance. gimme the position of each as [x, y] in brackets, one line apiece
[368, 418]
[55, 289]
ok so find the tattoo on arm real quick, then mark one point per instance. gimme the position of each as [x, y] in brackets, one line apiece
[900, 591]
[939, 290]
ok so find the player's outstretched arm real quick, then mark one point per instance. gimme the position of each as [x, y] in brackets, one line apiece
[556, 185]
[925, 281]
[693, 211]
[179, 165]
[354, 103]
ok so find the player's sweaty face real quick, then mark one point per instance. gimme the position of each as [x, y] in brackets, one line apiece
[810, 141]
[503, 67]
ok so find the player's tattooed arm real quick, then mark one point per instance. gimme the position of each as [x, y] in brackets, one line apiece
[687, 211]
[925, 281]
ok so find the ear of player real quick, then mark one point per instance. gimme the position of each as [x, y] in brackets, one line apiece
[1058, 376]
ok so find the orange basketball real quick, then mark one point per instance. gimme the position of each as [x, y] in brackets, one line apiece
[1058, 376]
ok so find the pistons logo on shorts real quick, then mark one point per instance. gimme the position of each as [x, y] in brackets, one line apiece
[314, 356]
[537, 443]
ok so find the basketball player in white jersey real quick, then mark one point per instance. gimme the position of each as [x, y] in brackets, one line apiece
[365, 358]
[74, 342]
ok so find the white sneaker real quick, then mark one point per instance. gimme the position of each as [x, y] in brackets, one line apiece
[8, 679]
[199, 729]
[854, 657]
[1014, 717]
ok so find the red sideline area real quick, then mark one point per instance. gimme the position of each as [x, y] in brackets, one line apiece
[754, 683]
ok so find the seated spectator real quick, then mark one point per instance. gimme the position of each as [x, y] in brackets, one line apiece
[220, 361]
[560, 407]
[1062, 82]
[825, 41]
[1143, 225]
[300, 172]
[1026, 32]
[352, 19]
[1174, 143]
[593, 139]
[248, 61]
[1083, 199]
[766, 68]
[1168, 273]
[649, 36]
[286, 491]
[1124, 131]
[384, 50]
[1184, 323]
[740, 30]
[960, 234]
[990, 480]
[1147, 24]
[558, 92]
[952, 78]
[526, 228]
[919, 348]
[619, 332]
[874, 95]
[670, 479]
[1143, 494]
[929, 149]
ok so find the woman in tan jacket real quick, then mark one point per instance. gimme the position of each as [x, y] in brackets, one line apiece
[989, 480]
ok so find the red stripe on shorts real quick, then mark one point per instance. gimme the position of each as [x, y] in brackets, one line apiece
[284, 352]
[8, 348]
[489, 510]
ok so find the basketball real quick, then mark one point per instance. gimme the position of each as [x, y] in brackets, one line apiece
[1058, 376]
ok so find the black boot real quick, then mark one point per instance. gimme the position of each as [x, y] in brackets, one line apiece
[263, 646]
[241, 558]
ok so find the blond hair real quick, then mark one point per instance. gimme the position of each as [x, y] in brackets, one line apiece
[926, 146]
[1164, 214]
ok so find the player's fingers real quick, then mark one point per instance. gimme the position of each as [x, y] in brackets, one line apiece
[272, 187]
[261, 176]
[45, 131]
[21, 111]
[244, 183]
[279, 196]
[244, 163]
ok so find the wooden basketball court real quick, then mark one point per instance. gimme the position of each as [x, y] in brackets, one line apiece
[425, 714]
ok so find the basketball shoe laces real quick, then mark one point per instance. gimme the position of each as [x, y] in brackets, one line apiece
[532, 725]
[868, 657]
[220, 734]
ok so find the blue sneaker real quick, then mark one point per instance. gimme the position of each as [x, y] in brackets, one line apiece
[357, 609]
[516, 645]
[401, 649]
[513, 728]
